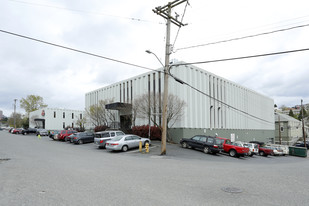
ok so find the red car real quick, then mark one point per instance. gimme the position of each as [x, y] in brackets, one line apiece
[263, 151]
[64, 133]
[17, 131]
[233, 149]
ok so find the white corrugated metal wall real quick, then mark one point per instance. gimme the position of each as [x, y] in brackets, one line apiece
[201, 110]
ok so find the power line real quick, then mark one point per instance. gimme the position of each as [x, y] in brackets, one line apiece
[244, 37]
[243, 57]
[76, 50]
[84, 11]
[230, 59]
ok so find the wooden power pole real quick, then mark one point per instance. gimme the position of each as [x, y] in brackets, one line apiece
[165, 12]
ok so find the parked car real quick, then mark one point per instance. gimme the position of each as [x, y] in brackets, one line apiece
[83, 137]
[253, 148]
[29, 131]
[42, 132]
[100, 138]
[233, 149]
[301, 144]
[65, 133]
[201, 142]
[277, 149]
[285, 149]
[54, 134]
[263, 151]
[126, 142]
[17, 130]
[70, 138]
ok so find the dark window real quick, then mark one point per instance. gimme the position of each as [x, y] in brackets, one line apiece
[63, 115]
[72, 115]
[54, 114]
[112, 134]
[210, 140]
[281, 129]
[63, 125]
[203, 139]
[196, 138]
[81, 116]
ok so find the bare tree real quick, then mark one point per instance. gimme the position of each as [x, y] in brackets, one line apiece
[98, 115]
[147, 105]
[81, 122]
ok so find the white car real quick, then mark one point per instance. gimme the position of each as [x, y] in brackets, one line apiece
[126, 142]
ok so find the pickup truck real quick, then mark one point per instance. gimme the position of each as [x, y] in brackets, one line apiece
[233, 149]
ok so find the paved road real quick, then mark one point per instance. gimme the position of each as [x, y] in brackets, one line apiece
[45, 172]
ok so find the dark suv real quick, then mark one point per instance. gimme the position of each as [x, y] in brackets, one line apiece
[206, 143]
[28, 131]
[83, 137]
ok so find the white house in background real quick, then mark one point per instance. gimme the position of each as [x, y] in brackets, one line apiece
[55, 118]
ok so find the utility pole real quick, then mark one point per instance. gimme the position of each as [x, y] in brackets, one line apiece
[302, 120]
[15, 113]
[165, 12]
[279, 129]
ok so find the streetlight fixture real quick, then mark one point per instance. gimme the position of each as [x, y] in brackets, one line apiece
[164, 112]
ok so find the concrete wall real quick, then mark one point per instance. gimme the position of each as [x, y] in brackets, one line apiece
[242, 135]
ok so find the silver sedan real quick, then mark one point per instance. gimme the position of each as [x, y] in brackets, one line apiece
[126, 142]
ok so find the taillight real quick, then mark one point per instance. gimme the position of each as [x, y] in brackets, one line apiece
[215, 146]
[114, 144]
[101, 141]
[75, 137]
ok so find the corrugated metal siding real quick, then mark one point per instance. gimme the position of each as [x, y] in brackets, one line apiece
[201, 111]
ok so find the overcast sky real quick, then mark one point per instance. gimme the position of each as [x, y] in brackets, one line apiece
[123, 30]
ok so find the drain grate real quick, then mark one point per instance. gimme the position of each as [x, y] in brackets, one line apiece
[232, 189]
[4, 159]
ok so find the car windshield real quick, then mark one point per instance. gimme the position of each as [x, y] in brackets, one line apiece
[105, 134]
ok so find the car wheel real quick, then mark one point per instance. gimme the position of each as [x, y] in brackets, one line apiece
[184, 145]
[261, 153]
[125, 148]
[232, 153]
[146, 143]
[206, 150]
[80, 141]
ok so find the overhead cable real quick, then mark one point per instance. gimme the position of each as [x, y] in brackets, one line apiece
[76, 50]
[244, 37]
[84, 11]
[244, 57]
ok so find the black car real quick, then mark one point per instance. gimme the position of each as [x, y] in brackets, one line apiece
[206, 143]
[28, 131]
[83, 137]
[301, 144]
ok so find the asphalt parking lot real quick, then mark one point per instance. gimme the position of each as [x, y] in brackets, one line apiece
[45, 172]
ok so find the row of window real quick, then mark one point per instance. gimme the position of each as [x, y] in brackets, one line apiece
[63, 125]
[63, 115]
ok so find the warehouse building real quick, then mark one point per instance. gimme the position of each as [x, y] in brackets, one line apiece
[54, 118]
[219, 107]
